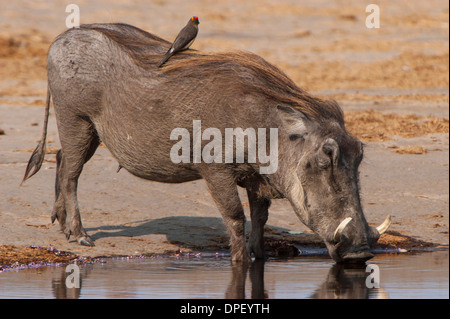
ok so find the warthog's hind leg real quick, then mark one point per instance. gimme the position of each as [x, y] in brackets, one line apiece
[59, 209]
[79, 140]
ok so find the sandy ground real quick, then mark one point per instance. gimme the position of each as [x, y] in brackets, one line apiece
[392, 83]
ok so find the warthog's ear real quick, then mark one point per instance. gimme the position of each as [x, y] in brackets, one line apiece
[295, 122]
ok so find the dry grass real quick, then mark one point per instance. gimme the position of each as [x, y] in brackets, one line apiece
[24, 55]
[23, 58]
[393, 239]
[399, 98]
[10, 254]
[48, 150]
[373, 126]
[407, 71]
[416, 150]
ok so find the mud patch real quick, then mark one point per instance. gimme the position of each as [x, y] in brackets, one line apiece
[283, 244]
[280, 248]
[286, 245]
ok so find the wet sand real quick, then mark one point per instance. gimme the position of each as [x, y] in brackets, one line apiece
[391, 82]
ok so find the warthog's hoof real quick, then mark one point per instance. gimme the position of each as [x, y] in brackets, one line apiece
[86, 241]
[257, 251]
[241, 258]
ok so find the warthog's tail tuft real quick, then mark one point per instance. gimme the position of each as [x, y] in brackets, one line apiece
[36, 159]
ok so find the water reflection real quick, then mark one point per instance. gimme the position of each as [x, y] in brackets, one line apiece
[59, 287]
[341, 282]
[347, 282]
[236, 287]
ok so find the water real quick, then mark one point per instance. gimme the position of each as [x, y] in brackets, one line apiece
[422, 275]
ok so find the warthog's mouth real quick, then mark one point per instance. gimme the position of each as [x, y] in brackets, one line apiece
[357, 257]
[356, 253]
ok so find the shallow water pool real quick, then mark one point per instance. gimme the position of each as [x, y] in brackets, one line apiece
[420, 275]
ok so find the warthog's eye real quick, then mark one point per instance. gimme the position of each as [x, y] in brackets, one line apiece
[294, 137]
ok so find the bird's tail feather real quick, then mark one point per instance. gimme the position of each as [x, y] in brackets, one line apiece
[164, 59]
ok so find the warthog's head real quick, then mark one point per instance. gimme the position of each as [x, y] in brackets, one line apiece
[321, 164]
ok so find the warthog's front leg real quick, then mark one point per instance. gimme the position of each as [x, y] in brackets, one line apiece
[259, 213]
[223, 189]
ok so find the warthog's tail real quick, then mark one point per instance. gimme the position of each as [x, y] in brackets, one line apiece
[36, 159]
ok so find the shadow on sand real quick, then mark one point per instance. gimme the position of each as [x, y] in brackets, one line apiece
[190, 231]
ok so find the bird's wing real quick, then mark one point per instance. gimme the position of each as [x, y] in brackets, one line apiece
[184, 38]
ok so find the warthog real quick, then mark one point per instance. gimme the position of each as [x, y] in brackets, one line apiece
[106, 87]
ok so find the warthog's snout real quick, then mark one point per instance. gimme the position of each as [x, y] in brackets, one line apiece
[346, 250]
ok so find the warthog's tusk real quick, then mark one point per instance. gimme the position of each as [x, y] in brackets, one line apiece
[340, 228]
[385, 225]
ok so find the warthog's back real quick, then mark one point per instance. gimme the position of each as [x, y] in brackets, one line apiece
[105, 51]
